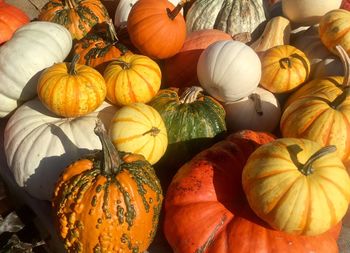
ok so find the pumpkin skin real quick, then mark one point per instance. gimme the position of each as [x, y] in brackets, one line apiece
[284, 68]
[304, 190]
[178, 74]
[206, 210]
[333, 29]
[77, 16]
[71, 89]
[34, 47]
[154, 31]
[119, 198]
[99, 47]
[138, 128]
[39, 145]
[229, 16]
[132, 78]
[11, 18]
[260, 111]
[229, 70]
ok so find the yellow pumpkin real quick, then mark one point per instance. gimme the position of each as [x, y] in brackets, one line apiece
[297, 186]
[131, 79]
[138, 128]
[284, 68]
[71, 89]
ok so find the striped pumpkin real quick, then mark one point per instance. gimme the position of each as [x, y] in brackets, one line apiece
[71, 90]
[324, 119]
[297, 186]
[77, 16]
[131, 79]
[284, 68]
[138, 128]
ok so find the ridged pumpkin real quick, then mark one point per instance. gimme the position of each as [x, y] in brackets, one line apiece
[78, 16]
[138, 128]
[324, 118]
[284, 68]
[11, 18]
[230, 16]
[156, 28]
[178, 74]
[108, 201]
[71, 89]
[132, 78]
[206, 210]
[297, 186]
[99, 47]
[334, 29]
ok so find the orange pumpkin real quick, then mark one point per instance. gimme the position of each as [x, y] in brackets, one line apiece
[71, 90]
[284, 68]
[156, 28]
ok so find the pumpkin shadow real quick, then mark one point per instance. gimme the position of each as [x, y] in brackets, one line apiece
[29, 91]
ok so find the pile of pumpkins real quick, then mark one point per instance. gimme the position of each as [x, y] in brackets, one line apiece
[231, 118]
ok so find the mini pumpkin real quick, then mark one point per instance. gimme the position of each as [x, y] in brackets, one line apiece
[107, 201]
[284, 68]
[71, 90]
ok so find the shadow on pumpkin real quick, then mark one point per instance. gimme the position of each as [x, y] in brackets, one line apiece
[29, 91]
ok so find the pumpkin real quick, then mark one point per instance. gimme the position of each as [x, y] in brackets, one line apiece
[333, 29]
[131, 79]
[11, 18]
[227, 15]
[322, 62]
[260, 111]
[178, 74]
[77, 16]
[156, 28]
[284, 68]
[105, 201]
[306, 12]
[304, 190]
[206, 211]
[345, 5]
[34, 47]
[71, 90]
[229, 70]
[138, 128]
[38, 144]
[322, 118]
[276, 33]
[99, 46]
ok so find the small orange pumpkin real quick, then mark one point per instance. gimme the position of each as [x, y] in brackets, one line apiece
[284, 68]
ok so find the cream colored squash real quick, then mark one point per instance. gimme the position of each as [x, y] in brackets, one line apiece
[308, 12]
[260, 111]
[39, 145]
[34, 47]
[229, 70]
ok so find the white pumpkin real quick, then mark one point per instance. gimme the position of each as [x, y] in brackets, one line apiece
[229, 70]
[123, 10]
[34, 47]
[39, 145]
[307, 12]
[260, 111]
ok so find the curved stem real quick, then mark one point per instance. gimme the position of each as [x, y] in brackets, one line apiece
[190, 95]
[257, 103]
[285, 61]
[71, 4]
[123, 64]
[153, 131]
[306, 168]
[111, 159]
[173, 13]
[72, 65]
[112, 34]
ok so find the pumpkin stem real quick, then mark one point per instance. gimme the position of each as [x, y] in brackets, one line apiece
[111, 159]
[173, 13]
[257, 103]
[306, 168]
[112, 34]
[190, 95]
[123, 64]
[244, 37]
[71, 4]
[154, 131]
[285, 61]
[72, 65]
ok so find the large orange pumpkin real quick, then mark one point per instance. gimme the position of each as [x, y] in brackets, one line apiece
[206, 210]
[156, 28]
